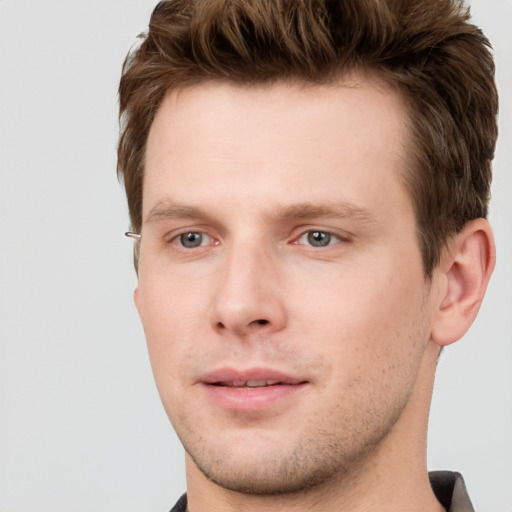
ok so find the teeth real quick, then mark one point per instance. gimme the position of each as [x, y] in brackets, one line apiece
[260, 383]
[256, 383]
[249, 383]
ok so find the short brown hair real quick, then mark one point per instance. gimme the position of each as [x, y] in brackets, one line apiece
[427, 49]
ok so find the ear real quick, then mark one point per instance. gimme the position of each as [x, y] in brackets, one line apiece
[136, 298]
[465, 269]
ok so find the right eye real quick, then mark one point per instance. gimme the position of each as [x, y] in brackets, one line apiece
[193, 239]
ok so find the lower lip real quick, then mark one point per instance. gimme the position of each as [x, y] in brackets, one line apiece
[246, 399]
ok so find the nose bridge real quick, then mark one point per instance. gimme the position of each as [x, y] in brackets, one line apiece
[248, 295]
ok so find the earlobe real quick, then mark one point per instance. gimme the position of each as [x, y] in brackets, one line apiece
[465, 270]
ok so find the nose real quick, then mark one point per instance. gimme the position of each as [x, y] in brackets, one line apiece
[249, 296]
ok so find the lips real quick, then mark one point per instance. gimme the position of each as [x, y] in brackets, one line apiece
[255, 377]
[252, 390]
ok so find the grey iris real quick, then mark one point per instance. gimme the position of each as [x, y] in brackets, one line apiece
[319, 238]
[191, 240]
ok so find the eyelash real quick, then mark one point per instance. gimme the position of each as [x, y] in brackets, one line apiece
[330, 237]
[179, 238]
[325, 238]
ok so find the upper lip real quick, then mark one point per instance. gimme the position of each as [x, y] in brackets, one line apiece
[231, 376]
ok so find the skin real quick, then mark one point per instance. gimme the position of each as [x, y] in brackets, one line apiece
[253, 172]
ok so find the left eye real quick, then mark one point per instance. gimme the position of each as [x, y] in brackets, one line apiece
[193, 239]
[318, 238]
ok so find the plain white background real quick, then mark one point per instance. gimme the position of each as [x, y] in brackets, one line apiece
[81, 425]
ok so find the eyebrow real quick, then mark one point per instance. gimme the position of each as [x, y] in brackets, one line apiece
[167, 210]
[331, 210]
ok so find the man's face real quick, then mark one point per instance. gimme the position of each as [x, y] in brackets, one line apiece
[281, 285]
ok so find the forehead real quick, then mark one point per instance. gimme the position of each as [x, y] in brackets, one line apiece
[302, 137]
[191, 111]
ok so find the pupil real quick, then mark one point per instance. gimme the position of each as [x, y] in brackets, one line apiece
[191, 239]
[319, 238]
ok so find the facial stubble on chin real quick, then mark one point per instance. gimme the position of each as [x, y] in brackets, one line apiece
[315, 462]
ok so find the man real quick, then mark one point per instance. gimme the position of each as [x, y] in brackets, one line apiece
[308, 185]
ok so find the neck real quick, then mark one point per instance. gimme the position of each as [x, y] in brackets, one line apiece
[392, 478]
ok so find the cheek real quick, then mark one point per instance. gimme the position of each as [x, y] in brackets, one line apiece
[168, 300]
[173, 322]
[362, 315]
[372, 345]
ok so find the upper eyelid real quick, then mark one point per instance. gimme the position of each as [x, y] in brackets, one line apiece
[338, 239]
[339, 233]
[294, 234]
[175, 233]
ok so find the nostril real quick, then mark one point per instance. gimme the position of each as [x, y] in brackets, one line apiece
[262, 322]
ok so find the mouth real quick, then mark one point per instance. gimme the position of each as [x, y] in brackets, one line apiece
[250, 383]
[250, 378]
[253, 390]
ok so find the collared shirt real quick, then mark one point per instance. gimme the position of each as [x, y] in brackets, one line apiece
[448, 487]
[450, 491]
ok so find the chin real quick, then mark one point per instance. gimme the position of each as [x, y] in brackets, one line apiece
[266, 477]
[276, 467]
